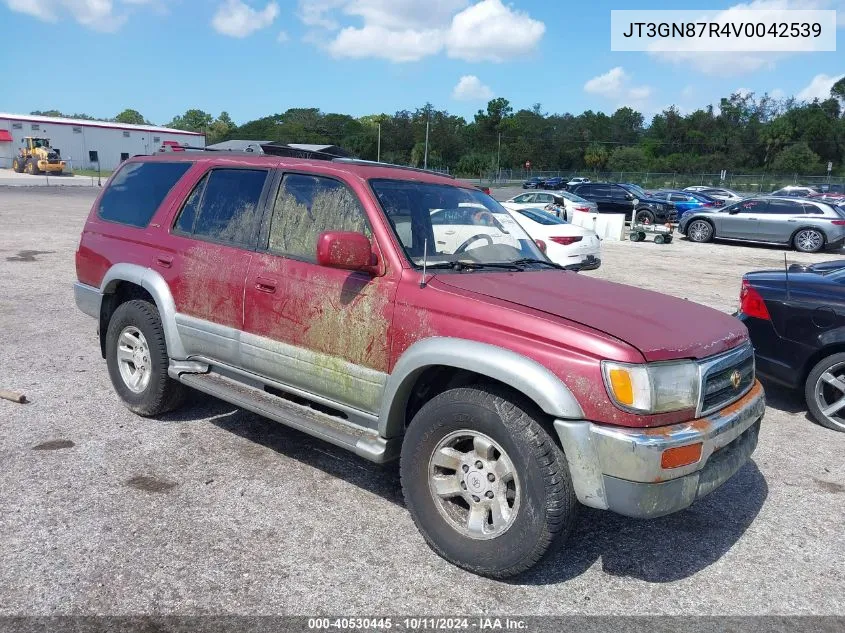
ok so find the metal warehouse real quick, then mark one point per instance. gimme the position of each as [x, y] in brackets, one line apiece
[82, 143]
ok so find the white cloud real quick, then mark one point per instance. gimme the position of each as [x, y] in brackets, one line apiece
[725, 64]
[490, 31]
[470, 88]
[282, 37]
[409, 30]
[99, 15]
[616, 85]
[819, 87]
[237, 19]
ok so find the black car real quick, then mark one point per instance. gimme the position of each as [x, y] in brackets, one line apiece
[831, 188]
[535, 182]
[556, 182]
[796, 320]
[627, 199]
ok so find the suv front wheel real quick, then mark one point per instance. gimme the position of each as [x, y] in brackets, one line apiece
[136, 355]
[486, 485]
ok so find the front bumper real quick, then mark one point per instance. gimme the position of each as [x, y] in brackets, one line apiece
[619, 469]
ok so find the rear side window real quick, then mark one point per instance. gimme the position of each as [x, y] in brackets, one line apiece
[137, 191]
[224, 206]
[539, 217]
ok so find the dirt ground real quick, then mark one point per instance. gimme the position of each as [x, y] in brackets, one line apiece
[213, 510]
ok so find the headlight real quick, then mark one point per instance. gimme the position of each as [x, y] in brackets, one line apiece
[654, 387]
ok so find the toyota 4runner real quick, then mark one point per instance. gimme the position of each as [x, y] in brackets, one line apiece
[401, 314]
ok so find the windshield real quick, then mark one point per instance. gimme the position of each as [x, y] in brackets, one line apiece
[447, 224]
[637, 191]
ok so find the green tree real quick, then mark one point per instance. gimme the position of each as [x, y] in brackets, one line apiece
[837, 91]
[797, 159]
[132, 117]
[221, 128]
[192, 121]
[627, 159]
[595, 156]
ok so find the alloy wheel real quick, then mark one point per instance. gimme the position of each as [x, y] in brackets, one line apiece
[830, 395]
[809, 241]
[699, 231]
[133, 359]
[474, 484]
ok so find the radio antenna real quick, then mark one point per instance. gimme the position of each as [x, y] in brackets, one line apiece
[786, 272]
[425, 262]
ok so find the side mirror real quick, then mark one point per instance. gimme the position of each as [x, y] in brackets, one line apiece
[733, 211]
[629, 196]
[344, 249]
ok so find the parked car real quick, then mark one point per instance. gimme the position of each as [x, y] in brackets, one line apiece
[806, 225]
[832, 188]
[556, 182]
[796, 320]
[563, 203]
[685, 201]
[577, 180]
[795, 192]
[535, 182]
[313, 292]
[627, 199]
[456, 229]
[717, 192]
[566, 244]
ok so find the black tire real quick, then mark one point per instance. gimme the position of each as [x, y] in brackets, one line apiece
[32, 167]
[162, 393]
[547, 503]
[700, 231]
[808, 241]
[644, 216]
[668, 239]
[17, 164]
[659, 239]
[835, 363]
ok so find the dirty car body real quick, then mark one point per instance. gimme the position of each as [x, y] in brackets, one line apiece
[368, 304]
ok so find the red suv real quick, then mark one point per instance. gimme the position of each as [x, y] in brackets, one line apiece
[401, 314]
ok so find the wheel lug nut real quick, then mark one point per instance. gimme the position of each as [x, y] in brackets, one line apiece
[479, 465]
[465, 468]
[476, 499]
[489, 494]
[491, 477]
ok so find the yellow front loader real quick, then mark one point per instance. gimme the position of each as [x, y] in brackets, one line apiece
[36, 156]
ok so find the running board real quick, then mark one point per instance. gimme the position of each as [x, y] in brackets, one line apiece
[363, 442]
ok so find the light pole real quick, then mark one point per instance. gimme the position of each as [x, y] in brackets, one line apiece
[425, 157]
[378, 151]
[498, 157]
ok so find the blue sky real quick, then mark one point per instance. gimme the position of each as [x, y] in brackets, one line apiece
[254, 57]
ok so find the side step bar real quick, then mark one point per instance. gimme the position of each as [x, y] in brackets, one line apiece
[363, 442]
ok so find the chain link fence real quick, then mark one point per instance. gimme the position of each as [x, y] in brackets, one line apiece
[746, 183]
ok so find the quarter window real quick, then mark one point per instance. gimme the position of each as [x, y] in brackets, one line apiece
[224, 206]
[137, 190]
[307, 206]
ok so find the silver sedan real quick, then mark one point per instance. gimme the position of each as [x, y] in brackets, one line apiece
[806, 225]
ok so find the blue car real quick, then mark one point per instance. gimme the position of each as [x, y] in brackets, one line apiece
[685, 201]
[554, 183]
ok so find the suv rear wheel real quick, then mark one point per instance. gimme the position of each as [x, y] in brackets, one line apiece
[136, 355]
[825, 392]
[486, 485]
[808, 241]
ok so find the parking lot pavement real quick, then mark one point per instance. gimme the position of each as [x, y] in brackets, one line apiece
[11, 178]
[214, 510]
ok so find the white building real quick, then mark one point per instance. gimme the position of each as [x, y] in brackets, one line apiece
[82, 143]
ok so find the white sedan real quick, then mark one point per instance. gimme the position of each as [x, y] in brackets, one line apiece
[565, 204]
[566, 244]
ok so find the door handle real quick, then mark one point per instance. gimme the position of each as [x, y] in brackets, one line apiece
[792, 220]
[164, 261]
[262, 284]
[449, 232]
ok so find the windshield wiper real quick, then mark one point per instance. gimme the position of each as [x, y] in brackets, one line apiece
[529, 260]
[462, 265]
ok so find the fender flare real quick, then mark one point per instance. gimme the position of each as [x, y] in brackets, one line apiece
[525, 375]
[155, 284]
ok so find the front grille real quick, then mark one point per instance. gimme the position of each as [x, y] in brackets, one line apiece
[721, 387]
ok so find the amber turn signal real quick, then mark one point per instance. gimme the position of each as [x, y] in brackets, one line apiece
[681, 456]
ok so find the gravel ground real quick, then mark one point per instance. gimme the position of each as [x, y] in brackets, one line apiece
[214, 510]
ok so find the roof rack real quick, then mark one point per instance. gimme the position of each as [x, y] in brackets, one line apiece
[372, 163]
